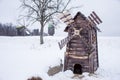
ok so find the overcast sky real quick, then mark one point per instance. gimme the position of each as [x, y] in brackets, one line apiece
[108, 11]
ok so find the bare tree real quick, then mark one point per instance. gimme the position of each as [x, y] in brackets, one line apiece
[42, 11]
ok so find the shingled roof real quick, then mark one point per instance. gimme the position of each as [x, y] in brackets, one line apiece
[78, 14]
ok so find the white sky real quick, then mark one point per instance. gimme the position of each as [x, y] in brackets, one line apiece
[107, 10]
[9, 10]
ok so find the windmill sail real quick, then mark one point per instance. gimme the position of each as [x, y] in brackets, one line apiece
[66, 18]
[94, 19]
[64, 41]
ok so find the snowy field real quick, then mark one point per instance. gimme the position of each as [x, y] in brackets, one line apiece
[23, 57]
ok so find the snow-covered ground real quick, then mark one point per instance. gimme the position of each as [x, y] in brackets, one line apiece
[23, 57]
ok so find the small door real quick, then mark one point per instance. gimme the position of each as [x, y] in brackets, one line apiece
[77, 69]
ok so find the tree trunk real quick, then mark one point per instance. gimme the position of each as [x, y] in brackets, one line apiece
[41, 34]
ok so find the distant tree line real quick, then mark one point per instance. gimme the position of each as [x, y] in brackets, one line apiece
[8, 30]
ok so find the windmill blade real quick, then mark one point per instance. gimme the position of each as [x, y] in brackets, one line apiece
[64, 41]
[28, 31]
[94, 18]
[97, 17]
[91, 20]
[66, 18]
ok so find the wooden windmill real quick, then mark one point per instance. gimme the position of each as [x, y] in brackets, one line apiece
[22, 29]
[81, 43]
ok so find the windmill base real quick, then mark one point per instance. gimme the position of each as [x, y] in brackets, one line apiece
[80, 64]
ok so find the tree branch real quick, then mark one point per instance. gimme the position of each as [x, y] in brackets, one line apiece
[66, 5]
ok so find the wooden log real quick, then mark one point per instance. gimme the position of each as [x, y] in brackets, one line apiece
[82, 61]
[76, 41]
[82, 53]
[78, 57]
[77, 49]
[76, 45]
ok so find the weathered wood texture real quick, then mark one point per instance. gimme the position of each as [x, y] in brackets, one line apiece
[82, 48]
